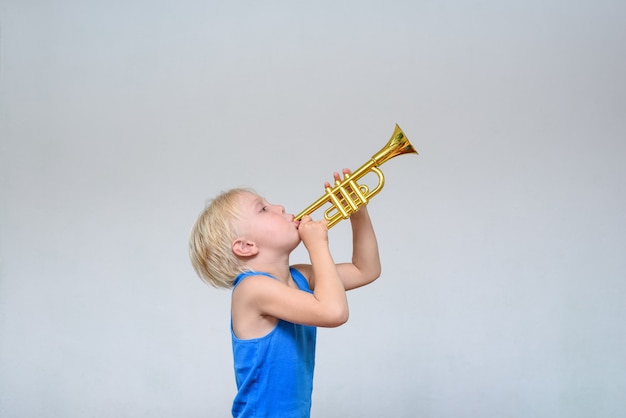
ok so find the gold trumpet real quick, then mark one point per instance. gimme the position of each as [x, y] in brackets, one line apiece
[347, 196]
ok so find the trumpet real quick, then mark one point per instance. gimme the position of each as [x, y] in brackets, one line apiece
[347, 196]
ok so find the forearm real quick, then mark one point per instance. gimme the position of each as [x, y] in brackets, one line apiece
[365, 256]
[329, 289]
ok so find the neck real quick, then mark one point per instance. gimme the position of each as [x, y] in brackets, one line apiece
[277, 268]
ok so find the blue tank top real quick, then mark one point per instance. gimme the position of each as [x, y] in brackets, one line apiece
[274, 373]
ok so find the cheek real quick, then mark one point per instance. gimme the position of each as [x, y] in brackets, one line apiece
[266, 228]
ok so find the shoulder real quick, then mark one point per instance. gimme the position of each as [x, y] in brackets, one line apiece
[259, 288]
[252, 281]
[266, 296]
[252, 292]
[244, 275]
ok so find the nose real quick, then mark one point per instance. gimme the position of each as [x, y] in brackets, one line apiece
[280, 208]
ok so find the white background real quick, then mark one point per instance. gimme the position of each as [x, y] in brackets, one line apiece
[503, 243]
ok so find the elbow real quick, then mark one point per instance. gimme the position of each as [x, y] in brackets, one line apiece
[378, 271]
[376, 274]
[373, 275]
[343, 317]
[337, 317]
[370, 272]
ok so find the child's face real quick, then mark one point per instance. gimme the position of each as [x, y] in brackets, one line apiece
[266, 224]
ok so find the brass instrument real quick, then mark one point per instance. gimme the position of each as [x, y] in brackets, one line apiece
[347, 196]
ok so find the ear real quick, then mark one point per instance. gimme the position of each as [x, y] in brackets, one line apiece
[244, 248]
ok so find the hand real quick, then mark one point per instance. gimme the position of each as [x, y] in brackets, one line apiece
[313, 232]
[336, 176]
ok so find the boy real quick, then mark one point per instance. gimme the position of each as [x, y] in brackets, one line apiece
[242, 242]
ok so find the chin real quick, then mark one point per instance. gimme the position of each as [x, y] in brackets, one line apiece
[295, 244]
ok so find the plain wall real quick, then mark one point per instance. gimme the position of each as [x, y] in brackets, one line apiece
[503, 243]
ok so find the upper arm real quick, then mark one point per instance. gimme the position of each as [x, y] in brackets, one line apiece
[267, 296]
[350, 275]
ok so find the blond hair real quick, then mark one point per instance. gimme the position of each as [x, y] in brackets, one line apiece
[211, 239]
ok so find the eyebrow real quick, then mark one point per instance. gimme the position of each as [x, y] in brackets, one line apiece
[259, 201]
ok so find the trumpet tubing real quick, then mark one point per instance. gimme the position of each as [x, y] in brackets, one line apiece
[347, 196]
